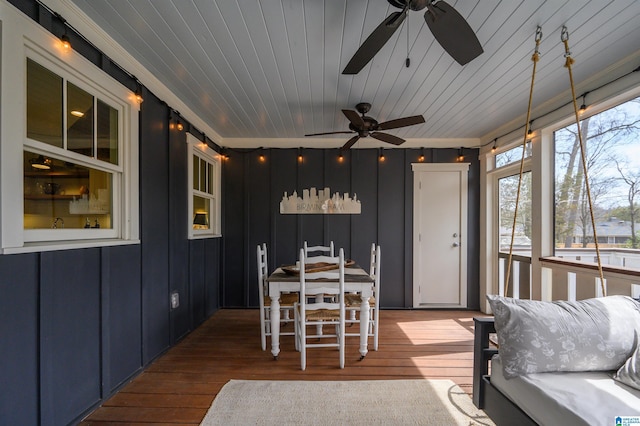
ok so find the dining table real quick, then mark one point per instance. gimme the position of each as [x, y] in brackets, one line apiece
[356, 280]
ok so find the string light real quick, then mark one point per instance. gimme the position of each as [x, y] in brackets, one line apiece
[460, 155]
[340, 157]
[495, 146]
[261, 157]
[64, 38]
[66, 43]
[300, 157]
[530, 132]
[583, 107]
[138, 92]
[421, 157]
[381, 154]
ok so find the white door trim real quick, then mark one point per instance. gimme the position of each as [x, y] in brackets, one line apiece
[463, 170]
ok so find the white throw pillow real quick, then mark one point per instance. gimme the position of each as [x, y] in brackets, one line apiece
[587, 335]
[629, 373]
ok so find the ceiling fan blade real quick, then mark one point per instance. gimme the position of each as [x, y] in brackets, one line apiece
[327, 133]
[374, 42]
[401, 122]
[354, 118]
[452, 32]
[350, 142]
[386, 137]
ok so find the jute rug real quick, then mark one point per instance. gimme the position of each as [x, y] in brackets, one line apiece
[364, 402]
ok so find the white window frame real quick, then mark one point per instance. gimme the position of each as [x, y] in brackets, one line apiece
[22, 38]
[203, 151]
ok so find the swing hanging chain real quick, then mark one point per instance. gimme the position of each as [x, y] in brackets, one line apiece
[535, 58]
[564, 37]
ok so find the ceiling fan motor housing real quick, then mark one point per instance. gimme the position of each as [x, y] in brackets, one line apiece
[370, 125]
[413, 4]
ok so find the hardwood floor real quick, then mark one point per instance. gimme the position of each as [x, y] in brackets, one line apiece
[178, 388]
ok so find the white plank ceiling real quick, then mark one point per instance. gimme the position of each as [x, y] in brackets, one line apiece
[266, 72]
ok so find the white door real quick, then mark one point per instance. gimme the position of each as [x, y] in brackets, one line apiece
[439, 235]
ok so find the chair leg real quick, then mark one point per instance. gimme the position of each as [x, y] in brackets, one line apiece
[375, 330]
[341, 343]
[263, 334]
[303, 347]
[296, 329]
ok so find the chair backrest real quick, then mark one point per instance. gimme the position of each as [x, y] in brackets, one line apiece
[308, 301]
[324, 259]
[325, 250]
[374, 270]
[263, 270]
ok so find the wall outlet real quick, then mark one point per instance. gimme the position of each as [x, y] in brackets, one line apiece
[175, 300]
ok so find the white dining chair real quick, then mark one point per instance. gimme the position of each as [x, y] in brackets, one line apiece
[353, 300]
[287, 300]
[323, 250]
[315, 309]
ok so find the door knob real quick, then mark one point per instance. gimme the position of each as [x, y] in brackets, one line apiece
[456, 245]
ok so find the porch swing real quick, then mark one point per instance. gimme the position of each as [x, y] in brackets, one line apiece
[564, 37]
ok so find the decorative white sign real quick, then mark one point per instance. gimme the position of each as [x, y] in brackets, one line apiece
[319, 202]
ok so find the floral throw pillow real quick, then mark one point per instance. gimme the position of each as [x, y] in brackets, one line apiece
[587, 335]
[629, 373]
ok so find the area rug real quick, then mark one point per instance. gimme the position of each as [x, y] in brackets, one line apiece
[363, 402]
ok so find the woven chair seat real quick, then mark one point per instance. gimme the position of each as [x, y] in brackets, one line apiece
[353, 300]
[323, 314]
[286, 299]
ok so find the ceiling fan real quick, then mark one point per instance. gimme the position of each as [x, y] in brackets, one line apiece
[366, 126]
[449, 27]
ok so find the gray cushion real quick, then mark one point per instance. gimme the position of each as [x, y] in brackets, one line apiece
[629, 373]
[587, 335]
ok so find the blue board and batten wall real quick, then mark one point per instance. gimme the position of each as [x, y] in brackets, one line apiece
[76, 325]
[253, 189]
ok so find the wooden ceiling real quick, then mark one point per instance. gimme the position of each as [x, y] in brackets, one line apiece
[266, 72]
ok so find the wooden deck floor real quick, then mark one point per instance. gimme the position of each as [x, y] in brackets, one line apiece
[178, 388]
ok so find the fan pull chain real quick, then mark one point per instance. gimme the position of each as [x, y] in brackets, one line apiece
[407, 62]
[564, 37]
[535, 58]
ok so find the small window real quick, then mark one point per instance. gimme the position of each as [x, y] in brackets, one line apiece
[204, 184]
[513, 155]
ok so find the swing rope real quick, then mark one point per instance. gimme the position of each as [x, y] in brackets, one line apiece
[564, 37]
[535, 58]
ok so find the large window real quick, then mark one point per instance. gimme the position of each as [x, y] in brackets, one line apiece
[69, 158]
[612, 151]
[204, 190]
